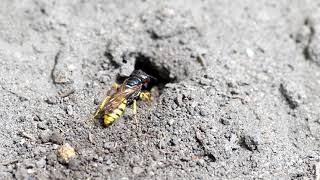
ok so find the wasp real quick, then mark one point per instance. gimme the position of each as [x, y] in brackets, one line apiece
[119, 96]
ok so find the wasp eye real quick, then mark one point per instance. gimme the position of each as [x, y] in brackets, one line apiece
[145, 85]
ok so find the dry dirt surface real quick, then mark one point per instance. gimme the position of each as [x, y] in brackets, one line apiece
[237, 96]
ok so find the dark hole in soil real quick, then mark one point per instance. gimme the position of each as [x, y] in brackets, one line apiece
[211, 157]
[160, 73]
[248, 143]
[110, 57]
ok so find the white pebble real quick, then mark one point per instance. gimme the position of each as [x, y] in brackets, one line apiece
[250, 52]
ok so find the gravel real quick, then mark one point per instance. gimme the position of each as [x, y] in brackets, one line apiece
[236, 96]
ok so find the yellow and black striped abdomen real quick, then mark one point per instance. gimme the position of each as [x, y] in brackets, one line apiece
[109, 118]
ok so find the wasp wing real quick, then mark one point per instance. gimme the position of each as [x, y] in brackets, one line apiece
[111, 94]
[121, 95]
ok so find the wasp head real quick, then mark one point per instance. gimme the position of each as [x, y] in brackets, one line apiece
[142, 76]
[138, 77]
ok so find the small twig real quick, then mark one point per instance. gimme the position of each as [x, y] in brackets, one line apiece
[201, 60]
[55, 62]
[9, 162]
[15, 94]
[26, 135]
[90, 137]
[317, 171]
[67, 93]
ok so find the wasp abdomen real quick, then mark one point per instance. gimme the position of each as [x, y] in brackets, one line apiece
[115, 114]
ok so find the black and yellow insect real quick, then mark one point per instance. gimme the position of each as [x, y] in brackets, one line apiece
[120, 96]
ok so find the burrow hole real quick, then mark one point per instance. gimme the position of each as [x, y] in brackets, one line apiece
[148, 65]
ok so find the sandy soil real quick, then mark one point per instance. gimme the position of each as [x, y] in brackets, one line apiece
[238, 95]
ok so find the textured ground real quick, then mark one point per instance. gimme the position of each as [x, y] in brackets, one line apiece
[238, 95]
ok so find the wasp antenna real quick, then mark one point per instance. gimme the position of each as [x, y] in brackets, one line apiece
[153, 78]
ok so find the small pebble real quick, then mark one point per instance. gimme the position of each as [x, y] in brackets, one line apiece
[56, 138]
[42, 125]
[65, 153]
[204, 81]
[185, 158]
[204, 111]
[174, 141]
[51, 158]
[70, 110]
[36, 118]
[250, 142]
[41, 163]
[66, 92]
[174, 106]
[250, 52]
[55, 146]
[162, 144]
[225, 121]
[191, 110]
[26, 135]
[303, 35]
[96, 101]
[293, 94]
[170, 122]
[137, 170]
[74, 164]
[167, 12]
[30, 171]
[126, 70]
[178, 100]
[108, 161]
[38, 150]
[29, 117]
[100, 159]
[201, 162]
[51, 100]
[45, 136]
[61, 76]
[231, 84]
[27, 146]
[91, 138]
[22, 119]
[77, 175]
[109, 145]
[317, 170]
[105, 66]
[156, 156]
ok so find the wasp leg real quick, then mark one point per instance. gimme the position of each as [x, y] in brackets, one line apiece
[115, 86]
[134, 108]
[145, 96]
[97, 114]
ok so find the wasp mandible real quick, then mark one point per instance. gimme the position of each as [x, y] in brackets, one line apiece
[119, 96]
